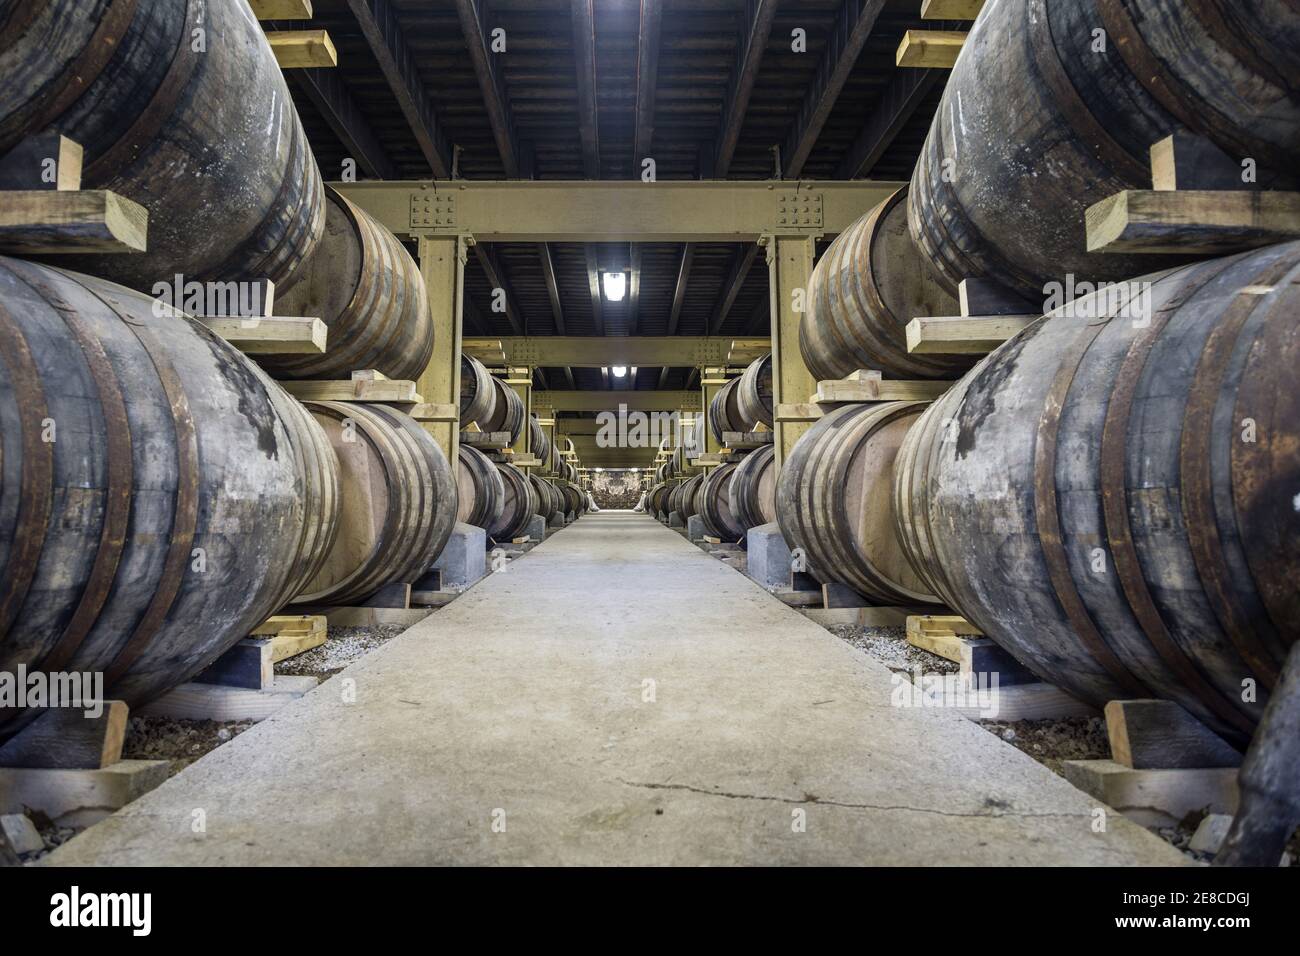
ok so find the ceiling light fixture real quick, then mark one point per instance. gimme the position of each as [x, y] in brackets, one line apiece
[619, 371]
[615, 286]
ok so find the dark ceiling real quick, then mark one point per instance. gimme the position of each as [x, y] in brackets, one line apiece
[410, 100]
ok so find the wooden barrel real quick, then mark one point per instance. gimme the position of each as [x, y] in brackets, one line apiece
[159, 495]
[870, 283]
[754, 393]
[207, 140]
[571, 499]
[539, 444]
[479, 486]
[834, 500]
[519, 504]
[507, 411]
[684, 500]
[398, 497]
[724, 411]
[548, 496]
[478, 396]
[1037, 124]
[1114, 502]
[657, 500]
[713, 502]
[366, 287]
[752, 489]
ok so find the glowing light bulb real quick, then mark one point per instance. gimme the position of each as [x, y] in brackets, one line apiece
[615, 286]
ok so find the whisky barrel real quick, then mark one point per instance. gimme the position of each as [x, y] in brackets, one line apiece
[684, 498]
[713, 502]
[863, 292]
[657, 500]
[1039, 121]
[539, 445]
[507, 411]
[752, 489]
[478, 396]
[398, 498]
[519, 504]
[548, 496]
[368, 290]
[834, 500]
[1113, 501]
[159, 495]
[571, 499]
[207, 140]
[480, 489]
[754, 393]
[724, 411]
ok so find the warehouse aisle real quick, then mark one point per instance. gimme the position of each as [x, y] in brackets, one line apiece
[617, 696]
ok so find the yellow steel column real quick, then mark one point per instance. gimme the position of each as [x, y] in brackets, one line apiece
[442, 263]
[790, 264]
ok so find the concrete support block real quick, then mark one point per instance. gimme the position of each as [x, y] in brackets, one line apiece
[674, 519]
[537, 527]
[768, 556]
[695, 528]
[557, 520]
[464, 560]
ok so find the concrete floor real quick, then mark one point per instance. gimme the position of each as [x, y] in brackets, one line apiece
[525, 702]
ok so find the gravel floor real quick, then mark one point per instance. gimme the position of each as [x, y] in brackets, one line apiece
[342, 646]
[889, 646]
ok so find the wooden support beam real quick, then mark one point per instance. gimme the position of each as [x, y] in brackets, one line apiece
[497, 106]
[898, 102]
[65, 737]
[44, 222]
[300, 49]
[44, 161]
[643, 400]
[593, 286]
[358, 390]
[957, 335]
[271, 335]
[1155, 797]
[329, 94]
[1161, 735]
[488, 261]
[750, 47]
[875, 389]
[281, 9]
[385, 37]
[1192, 222]
[930, 49]
[951, 9]
[741, 263]
[79, 798]
[1184, 160]
[584, 56]
[854, 23]
[647, 75]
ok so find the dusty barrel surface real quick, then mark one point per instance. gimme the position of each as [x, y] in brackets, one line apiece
[507, 410]
[752, 488]
[518, 504]
[366, 287]
[207, 140]
[1113, 501]
[871, 282]
[834, 501]
[159, 494]
[478, 396]
[399, 502]
[548, 497]
[1036, 124]
[713, 501]
[754, 393]
[724, 411]
[481, 493]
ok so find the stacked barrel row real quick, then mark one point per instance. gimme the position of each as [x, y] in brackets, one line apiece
[498, 496]
[735, 496]
[160, 495]
[1110, 495]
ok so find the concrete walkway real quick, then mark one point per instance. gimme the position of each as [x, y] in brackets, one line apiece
[525, 702]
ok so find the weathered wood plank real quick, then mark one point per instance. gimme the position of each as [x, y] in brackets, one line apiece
[43, 222]
[272, 335]
[930, 49]
[1155, 797]
[66, 738]
[1192, 222]
[956, 335]
[303, 49]
[79, 798]
[281, 9]
[46, 161]
[1161, 735]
